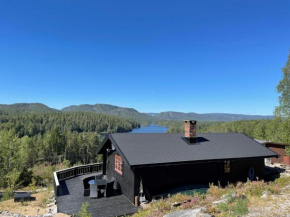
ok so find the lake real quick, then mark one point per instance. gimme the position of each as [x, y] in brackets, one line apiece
[150, 129]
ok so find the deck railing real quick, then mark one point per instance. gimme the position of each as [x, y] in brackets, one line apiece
[73, 172]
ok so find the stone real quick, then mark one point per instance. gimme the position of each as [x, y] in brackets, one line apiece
[265, 194]
[50, 200]
[203, 215]
[175, 204]
[54, 210]
[47, 215]
[229, 197]
[187, 213]
[50, 204]
[219, 201]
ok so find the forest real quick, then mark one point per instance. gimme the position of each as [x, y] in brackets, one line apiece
[28, 140]
[277, 130]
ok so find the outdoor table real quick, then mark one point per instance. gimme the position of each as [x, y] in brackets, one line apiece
[99, 182]
[23, 197]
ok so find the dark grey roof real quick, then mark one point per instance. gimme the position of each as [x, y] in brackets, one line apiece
[155, 148]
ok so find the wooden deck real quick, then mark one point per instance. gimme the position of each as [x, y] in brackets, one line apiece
[71, 198]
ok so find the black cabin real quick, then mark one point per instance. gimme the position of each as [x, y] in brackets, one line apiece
[160, 162]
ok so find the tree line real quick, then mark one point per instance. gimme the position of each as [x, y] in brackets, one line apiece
[28, 139]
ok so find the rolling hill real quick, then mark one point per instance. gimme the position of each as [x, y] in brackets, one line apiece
[26, 107]
[130, 113]
[171, 115]
[109, 110]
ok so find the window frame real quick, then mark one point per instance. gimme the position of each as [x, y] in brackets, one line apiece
[227, 167]
[118, 164]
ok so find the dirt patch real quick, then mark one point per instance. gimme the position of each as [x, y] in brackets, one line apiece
[31, 208]
[273, 205]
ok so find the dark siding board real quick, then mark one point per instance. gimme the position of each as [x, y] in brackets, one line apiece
[157, 180]
[124, 182]
[240, 170]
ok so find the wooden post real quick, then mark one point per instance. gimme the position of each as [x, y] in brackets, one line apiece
[136, 201]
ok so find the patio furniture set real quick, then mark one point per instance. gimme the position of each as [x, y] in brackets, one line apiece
[96, 187]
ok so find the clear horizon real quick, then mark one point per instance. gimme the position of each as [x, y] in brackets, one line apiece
[185, 56]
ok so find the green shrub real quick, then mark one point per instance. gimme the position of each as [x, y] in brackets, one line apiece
[223, 207]
[240, 208]
[7, 194]
[287, 151]
[32, 185]
[43, 174]
[84, 210]
[216, 190]
[12, 179]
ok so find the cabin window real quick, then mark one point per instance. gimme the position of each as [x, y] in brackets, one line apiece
[118, 164]
[227, 167]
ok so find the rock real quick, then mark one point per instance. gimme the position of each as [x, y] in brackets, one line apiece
[51, 209]
[50, 204]
[16, 215]
[54, 211]
[203, 215]
[219, 201]
[265, 194]
[145, 206]
[175, 204]
[47, 215]
[50, 200]
[187, 213]
[229, 197]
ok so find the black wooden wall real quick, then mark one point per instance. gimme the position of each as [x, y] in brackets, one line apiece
[124, 182]
[157, 179]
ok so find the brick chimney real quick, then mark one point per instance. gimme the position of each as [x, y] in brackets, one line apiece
[190, 131]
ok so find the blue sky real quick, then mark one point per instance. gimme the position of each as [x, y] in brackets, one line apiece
[190, 56]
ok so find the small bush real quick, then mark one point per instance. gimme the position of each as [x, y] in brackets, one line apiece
[216, 190]
[255, 188]
[84, 211]
[287, 151]
[240, 208]
[43, 174]
[179, 198]
[223, 207]
[32, 185]
[163, 205]
[7, 194]
[237, 207]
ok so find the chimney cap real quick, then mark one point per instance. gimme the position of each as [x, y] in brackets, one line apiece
[189, 120]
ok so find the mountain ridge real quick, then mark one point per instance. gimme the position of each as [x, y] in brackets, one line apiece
[132, 113]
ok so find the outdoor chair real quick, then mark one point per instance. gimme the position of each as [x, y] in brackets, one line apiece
[94, 191]
[142, 198]
[86, 186]
[109, 191]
